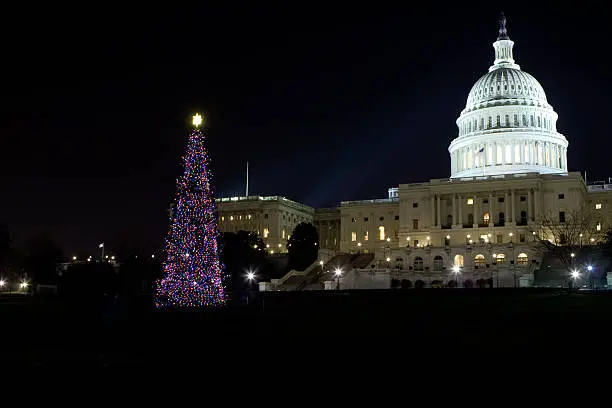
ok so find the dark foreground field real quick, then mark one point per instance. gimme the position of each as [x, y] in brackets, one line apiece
[43, 331]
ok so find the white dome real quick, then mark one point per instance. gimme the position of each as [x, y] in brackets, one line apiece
[507, 126]
[506, 86]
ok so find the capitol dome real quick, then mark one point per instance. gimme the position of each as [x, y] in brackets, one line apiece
[507, 125]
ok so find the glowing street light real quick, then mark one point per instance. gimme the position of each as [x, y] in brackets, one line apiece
[23, 285]
[74, 258]
[575, 274]
[113, 257]
[590, 268]
[2, 283]
[457, 271]
[338, 273]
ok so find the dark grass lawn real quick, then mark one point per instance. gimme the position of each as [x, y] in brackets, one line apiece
[51, 330]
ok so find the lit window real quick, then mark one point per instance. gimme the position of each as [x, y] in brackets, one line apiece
[479, 260]
[249, 216]
[240, 217]
[458, 260]
[599, 226]
[366, 236]
[283, 234]
[222, 218]
[353, 236]
[486, 218]
[501, 258]
[266, 232]
[598, 206]
[470, 201]
[522, 259]
[381, 233]
[231, 218]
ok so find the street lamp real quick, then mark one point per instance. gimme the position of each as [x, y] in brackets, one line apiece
[511, 235]
[456, 271]
[250, 277]
[2, 283]
[388, 262]
[74, 258]
[338, 273]
[591, 280]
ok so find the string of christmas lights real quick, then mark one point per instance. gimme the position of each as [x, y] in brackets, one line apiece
[192, 270]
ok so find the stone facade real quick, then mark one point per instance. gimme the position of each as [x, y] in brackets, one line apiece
[272, 218]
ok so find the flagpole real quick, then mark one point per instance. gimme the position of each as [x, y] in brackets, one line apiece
[247, 180]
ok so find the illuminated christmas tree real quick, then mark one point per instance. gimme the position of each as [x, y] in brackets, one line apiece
[192, 271]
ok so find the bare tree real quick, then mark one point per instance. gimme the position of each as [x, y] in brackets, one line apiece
[570, 235]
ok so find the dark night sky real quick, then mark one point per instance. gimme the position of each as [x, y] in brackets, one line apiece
[326, 105]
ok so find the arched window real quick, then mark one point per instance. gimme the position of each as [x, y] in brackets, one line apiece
[479, 260]
[481, 123]
[498, 121]
[522, 259]
[524, 120]
[539, 122]
[486, 218]
[501, 258]
[418, 263]
[531, 121]
[438, 263]
[502, 218]
[490, 122]
[458, 260]
[470, 127]
[507, 121]
[516, 122]
[381, 233]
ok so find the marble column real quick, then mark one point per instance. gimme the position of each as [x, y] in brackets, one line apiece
[454, 210]
[536, 204]
[460, 217]
[512, 206]
[529, 205]
[507, 210]
[433, 210]
[494, 154]
[439, 221]
[476, 211]
[491, 210]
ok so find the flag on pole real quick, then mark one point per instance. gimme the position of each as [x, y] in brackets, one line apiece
[481, 150]
[101, 245]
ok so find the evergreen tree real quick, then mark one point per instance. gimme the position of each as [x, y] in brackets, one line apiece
[192, 271]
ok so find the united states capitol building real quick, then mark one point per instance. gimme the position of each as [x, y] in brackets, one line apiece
[508, 167]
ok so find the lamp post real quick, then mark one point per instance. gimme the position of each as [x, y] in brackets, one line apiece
[338, 273]
[2, 283]
[575, 275]
[321, 263]
[494, 263]
[388, 262]
[456, 271]
[591, 280]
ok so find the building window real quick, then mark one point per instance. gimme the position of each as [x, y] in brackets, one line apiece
[415, 224]
[501, 258]
[499, 238]
[522, 238]
[561, 216]
[353, 236]
[365, 219]
[561, 196]
[507, 117]
[415, 205]
[598, 206]
[485, 201]
[396, 217]
[381, 233]
[266, 232]
[523, 217]
[265, 216]
[353, 219]
[500, 200]
[458, 260]
[249, 216]
[523, 198]
[381, 219]
[222, 218]
[486, 218]
[470, 201]
[415, 243]
[283, 234]
[479, 260]
[522, 259]
[490, 124]
[470, 218]
[502, 218]
[599, 226]
[516, 122]
[438, 263]
[366, 237]
[418, 263]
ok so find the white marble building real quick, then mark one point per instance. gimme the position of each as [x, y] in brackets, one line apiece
[508, 166]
